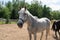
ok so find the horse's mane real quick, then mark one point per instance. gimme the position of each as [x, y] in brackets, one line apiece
[30, 14]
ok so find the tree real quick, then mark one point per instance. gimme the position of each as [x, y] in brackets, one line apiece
[16, 5]
[35, 9]
[1, 10]
[10, 9]
[9, 5]
[6, 14]
[14, 12]
[55, 15]
[46, 12]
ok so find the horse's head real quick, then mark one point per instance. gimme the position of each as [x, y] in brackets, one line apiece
[22, 17]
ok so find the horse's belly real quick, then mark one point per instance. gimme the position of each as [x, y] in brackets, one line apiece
[41, 29]
[37, 30]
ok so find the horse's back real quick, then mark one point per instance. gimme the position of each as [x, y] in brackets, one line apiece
[45, 20]
[43, 23]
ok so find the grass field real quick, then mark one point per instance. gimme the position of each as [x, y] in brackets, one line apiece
[12, 32]
[8, 23]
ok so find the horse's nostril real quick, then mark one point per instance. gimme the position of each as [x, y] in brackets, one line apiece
[20, 25]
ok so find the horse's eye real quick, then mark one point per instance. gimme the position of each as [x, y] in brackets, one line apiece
[24, 13]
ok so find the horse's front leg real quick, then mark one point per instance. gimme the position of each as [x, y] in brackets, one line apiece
[34, 36]
[30, 36]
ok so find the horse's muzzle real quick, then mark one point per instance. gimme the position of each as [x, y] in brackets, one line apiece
[20, 24]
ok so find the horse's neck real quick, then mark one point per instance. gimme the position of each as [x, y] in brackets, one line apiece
[30, 19]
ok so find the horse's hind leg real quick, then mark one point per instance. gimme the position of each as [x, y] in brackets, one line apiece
[41, 36]
[47, 31]
[56, 34]
[59, 34]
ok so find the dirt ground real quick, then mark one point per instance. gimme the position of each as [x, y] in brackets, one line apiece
[12, 32]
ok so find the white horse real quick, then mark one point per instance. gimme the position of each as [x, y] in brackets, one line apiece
[35, 24]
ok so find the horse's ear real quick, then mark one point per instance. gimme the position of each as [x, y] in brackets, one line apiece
[19, 8]
[25, 7]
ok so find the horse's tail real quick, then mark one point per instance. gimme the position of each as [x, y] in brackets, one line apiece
[53, 26]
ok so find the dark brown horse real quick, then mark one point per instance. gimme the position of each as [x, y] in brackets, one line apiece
[56, 27]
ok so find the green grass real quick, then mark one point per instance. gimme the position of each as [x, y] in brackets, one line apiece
[2, 22]
[13, 22]
[8, 23]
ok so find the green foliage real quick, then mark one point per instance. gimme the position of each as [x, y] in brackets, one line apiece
[16, 4]
[55, 15]
[10, 10]
[36, 9]
[46, 12]
[6, 13]
[1, 10]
